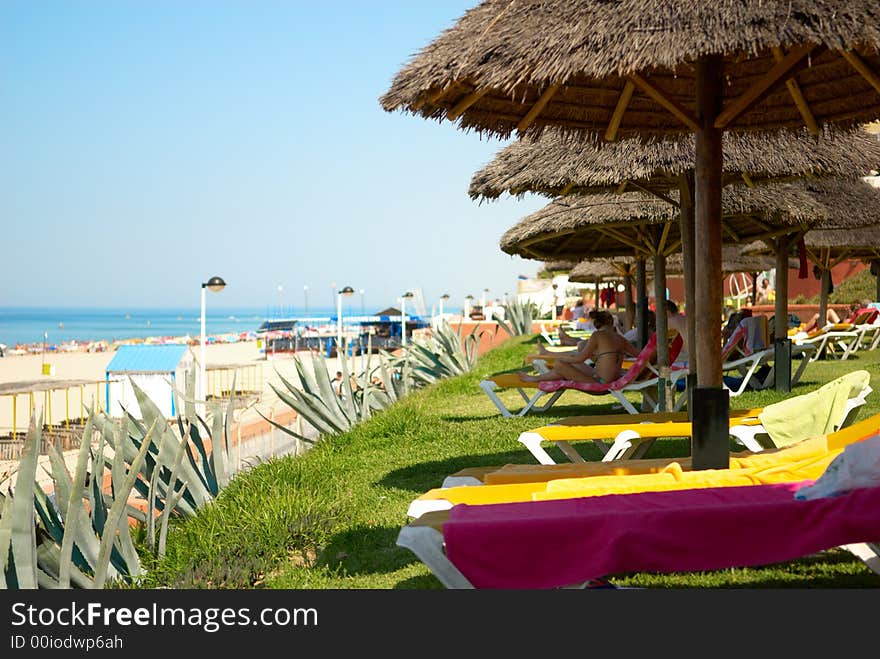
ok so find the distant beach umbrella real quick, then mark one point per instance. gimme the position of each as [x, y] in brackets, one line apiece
[829, 247]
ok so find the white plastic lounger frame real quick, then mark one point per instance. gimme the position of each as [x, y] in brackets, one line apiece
[631, 445]
[746, 367]
[837, 343]
[531, 402]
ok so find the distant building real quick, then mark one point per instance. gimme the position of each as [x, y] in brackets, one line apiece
[157, 369]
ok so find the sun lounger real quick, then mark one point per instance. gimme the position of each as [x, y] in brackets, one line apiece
[804, 460]
[552, 544]
[551, 391]
[828, 408]
[534, 473]
[838, 340]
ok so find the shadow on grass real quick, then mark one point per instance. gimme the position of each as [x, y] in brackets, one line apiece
[421, 582]
[558, 411]
[361, 550]
[424, 476]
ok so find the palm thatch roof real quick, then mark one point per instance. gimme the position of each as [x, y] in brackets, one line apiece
[627, 67]
[827, 247]
[600, 269]
[606, 225]
[554, 165]
[560, 265]
[733, 260]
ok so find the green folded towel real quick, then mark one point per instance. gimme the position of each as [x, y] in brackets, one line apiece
[816, 413]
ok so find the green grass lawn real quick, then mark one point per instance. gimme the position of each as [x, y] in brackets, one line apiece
[330, 518]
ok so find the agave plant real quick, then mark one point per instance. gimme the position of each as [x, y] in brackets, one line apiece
[446, 353]
[80, 538]
[189, 466]
[332, 413]
[518, 317]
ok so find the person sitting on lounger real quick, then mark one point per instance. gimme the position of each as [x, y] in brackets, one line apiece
[832, 317]
[606, 348]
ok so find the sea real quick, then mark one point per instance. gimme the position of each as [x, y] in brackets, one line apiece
[57, 325]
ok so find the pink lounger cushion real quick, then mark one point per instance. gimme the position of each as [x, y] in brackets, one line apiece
[549, 544]
[625, 379]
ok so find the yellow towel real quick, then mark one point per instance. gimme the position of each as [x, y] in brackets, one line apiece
[815, 413]
[675, 478]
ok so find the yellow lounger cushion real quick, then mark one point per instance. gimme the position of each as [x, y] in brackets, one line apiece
[674, 478]
[809, 457]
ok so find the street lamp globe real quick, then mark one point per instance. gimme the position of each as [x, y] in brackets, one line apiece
[215, 285]
[347, 291]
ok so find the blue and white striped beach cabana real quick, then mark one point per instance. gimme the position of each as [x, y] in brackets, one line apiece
[155, 369]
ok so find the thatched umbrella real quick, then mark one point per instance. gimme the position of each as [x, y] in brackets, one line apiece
[851, 205]
[595, 271]
[628, 68]
[558, 265]
[623, 269]
[554, 165]
[827, 248]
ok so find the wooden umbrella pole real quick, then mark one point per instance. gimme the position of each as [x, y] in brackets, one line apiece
[710, 439]
[686, 201]
[662, 328]
[823, 291]
[707, 200]
[754, 288]
[628, 300]
[781, 344]
[641, 302]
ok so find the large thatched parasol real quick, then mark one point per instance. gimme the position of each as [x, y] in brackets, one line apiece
[638, 224]
[626, 68]
[555, 166]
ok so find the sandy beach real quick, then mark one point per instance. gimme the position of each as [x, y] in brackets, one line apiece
[25, 372]
[90, 367]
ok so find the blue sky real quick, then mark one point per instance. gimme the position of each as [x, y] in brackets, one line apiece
[148, 145]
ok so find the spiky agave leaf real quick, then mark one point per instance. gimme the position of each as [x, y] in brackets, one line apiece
[76, 534]
[117, 510]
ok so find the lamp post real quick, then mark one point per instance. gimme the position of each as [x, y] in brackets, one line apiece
[347, 291]
[467, 306]
[362, 302]
[280, 301]
[403, 299]
[443, 298]
[306, 298]
[483, 299]
[215, 285]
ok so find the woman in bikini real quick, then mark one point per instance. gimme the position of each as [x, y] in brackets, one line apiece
[606, 348]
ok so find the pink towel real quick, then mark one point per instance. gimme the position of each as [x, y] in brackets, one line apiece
[548, 544]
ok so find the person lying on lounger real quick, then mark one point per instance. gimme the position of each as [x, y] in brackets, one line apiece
[606, 348]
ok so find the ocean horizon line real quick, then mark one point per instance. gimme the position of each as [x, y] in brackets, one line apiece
[28, 326]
